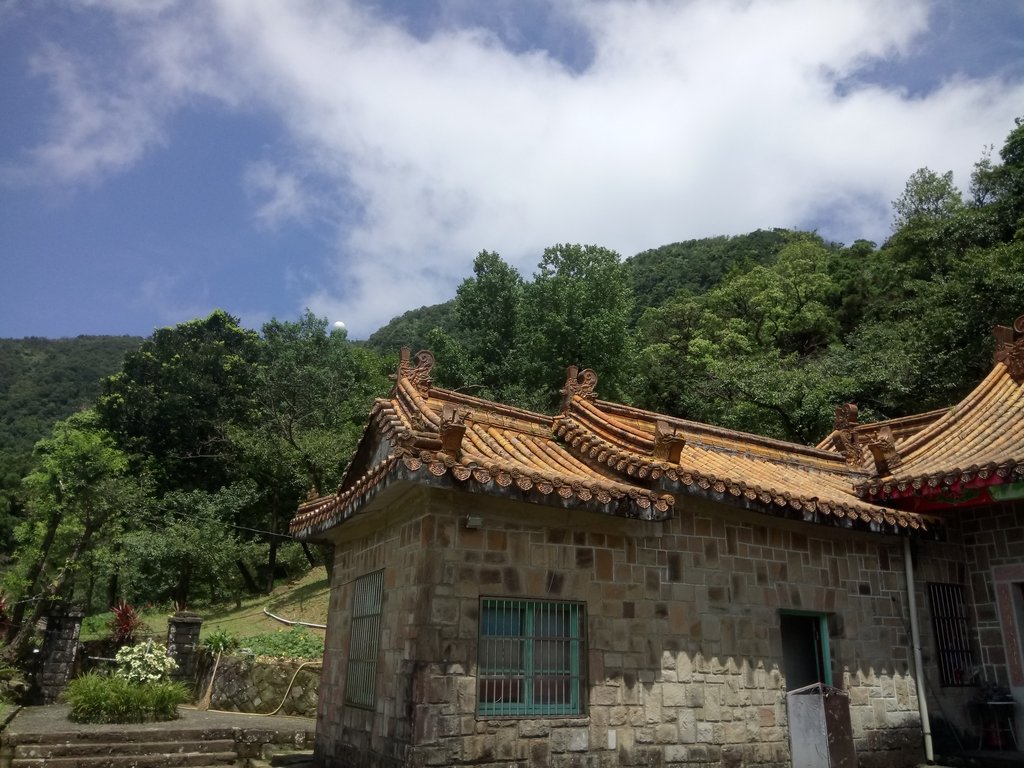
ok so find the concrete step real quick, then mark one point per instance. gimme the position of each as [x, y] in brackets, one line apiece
[163, 760]
[97, 748]
[275, 756]
[113, 734]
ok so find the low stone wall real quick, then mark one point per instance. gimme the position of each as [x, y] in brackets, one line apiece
[261, 686]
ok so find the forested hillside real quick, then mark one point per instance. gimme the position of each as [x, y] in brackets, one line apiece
[178, 482]
[41, 381]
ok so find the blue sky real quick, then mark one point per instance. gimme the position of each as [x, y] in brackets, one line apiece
[161, 159]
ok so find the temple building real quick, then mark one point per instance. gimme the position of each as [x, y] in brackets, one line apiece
[614, 587]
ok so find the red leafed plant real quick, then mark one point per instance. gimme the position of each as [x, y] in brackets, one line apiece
[126, 622]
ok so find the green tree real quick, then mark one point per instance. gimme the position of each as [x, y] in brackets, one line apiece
[311, 391]
[480, 353]
[170, 404]
[999, 188]
[576, 311]
[737, 354]
[79, 483]
[696, 266]
[413, 328]
[187, 546]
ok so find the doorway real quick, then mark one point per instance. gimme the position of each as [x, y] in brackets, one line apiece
[805, 652]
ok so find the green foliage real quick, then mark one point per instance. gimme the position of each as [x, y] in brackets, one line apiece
[576, 312]
[412, 329]
[293, 643]
[736, 354]
[94, 698]
[79, 487]
[221, 641]
[998, 188]
[144, 663]
[311, 390]
[45, 380]
[696, 266]
[484, 355]
[173, 399]
[5, 617]
[188, 546]
[514, 339]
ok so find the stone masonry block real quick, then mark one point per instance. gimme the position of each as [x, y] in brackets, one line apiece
[673, 694]
[570, 739]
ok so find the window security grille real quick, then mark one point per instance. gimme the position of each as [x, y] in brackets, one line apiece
[952, 639]
[364, 640]
[530, 658]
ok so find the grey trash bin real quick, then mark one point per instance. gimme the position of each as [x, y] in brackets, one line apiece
[820, 734]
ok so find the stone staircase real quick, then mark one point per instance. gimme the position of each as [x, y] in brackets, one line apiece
[147, 750]
[205, 743]
[126, 749]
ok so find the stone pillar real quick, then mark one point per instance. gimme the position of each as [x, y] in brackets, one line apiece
[183, 643]
[60, 650]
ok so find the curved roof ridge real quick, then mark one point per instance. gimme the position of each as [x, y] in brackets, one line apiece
[490, 406]
[693, 430]
[582, 406]
[953, 415]
[979, 442]
[836, 500]
[407, 392]
[903, 428]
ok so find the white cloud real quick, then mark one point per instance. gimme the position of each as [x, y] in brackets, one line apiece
[281, 194]
[691, 119]
[94, 130]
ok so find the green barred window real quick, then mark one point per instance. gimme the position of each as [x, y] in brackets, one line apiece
[952, 633]
[530, 658]
[364, 640]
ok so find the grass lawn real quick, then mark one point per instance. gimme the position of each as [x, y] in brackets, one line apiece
[303, 599]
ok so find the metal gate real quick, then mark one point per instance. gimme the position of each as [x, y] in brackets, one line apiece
[820, 734]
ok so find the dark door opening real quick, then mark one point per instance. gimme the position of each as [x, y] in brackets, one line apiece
[804, 650]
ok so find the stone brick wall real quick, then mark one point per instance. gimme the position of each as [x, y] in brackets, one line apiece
[992, 537]
[979, 541]
[684, 648]
[248, 685]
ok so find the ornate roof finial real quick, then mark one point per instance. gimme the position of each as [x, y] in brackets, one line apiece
[847, 441]
[419, 374]
[577, 382]
[883, 451]
[668, 443]
[1010, 348]
[453, 429]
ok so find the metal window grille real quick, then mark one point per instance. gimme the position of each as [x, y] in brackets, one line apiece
[530, 658]
[364, 640]
[952, 638]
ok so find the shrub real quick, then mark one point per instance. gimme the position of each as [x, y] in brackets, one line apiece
[95, 698]
[144, 663]
[221, 641]
[294, 643]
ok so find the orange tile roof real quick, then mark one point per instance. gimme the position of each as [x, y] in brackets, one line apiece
[594, 454]
[775, 476]
[498, 448]
[977, 443]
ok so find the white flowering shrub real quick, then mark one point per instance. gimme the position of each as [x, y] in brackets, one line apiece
[145, 663]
